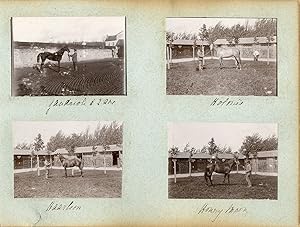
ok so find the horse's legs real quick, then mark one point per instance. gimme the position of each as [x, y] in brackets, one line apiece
[240, 62]
[224, 178]
[228, 178]
[210, 179]
[66, 172]
[205, 176]
[42, 64]
[58, 66]
[236, 62]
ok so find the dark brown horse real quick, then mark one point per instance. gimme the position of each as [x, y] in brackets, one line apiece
[220, 167]
[71, 161]
[56, 56]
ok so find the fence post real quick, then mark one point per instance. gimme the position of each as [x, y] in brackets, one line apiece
[38, 165]
[168, 57]
[174, 163]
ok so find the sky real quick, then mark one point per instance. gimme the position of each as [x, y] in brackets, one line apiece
[192, 25]
[65, 29]
[230, 134]
[26, 131]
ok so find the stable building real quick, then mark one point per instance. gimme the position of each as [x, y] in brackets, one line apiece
[95, 156]
[183, 48]
[26, 158]
[263, 162]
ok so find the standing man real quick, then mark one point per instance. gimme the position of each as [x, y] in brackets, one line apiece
[74, 59]
[47, 167]
[255, 55]
[248, 169]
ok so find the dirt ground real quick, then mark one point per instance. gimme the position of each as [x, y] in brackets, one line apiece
[94, 184]
[255, 78]
[99, 77]
[264, 187]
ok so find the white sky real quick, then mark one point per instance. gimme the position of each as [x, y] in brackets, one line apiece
[26, 131]
[53, 29]
[192, 25]
[230, 134]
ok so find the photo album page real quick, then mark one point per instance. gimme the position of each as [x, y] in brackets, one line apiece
[149, 113]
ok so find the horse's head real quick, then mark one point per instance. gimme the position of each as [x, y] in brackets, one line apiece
[61, 158]
[65, 48]
[236, 160]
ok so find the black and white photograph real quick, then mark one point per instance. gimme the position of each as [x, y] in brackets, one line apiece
[67, 159]
[221, 56]
[222, 160]
[68, 56]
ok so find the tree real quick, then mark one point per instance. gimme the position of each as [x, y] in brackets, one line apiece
[38, 146]
[251, 145]
[270, 143]
[38, 143]
[212, 147]
[56, 142]
[238, 31]
[203, 35]
[173, 151]
[23, 146]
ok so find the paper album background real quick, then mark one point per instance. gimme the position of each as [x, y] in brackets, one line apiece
[146, 111]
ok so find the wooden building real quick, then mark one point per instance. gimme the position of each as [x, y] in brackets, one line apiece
[24, 159]
[264, 161]
[182, 48]
[95, 156]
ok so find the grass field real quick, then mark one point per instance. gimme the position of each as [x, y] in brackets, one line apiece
[99, 77]
[255, 78]
[264, 187]
[94, 184]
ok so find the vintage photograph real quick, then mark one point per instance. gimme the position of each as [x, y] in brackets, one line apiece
[68, 159]
[221, 56]
[57, 56]
[222, 161]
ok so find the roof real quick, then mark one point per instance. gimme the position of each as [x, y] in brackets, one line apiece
[267, 154]
[260, 154]
[89, 149]
[111, 38]
[246, 40]
[30, 152]
[189, 42]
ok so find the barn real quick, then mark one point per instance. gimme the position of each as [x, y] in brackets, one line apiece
[265, 162]
[26, 158]
[94, 156]
[182, 48]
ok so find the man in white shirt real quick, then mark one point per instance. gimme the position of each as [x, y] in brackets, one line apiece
[255, 55]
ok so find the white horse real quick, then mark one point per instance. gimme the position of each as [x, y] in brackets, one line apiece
[228, 53]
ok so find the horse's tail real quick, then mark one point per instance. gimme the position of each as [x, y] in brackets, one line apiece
[38, 57]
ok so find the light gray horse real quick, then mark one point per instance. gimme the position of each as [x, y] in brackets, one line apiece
[228, 53]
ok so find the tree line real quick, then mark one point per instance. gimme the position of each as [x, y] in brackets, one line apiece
[261, 28]
[103, 135]
[250, 145]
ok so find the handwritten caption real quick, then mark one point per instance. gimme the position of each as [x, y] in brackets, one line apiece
[226, 102]
[218, 212]
[63, 206]
[58, 103]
